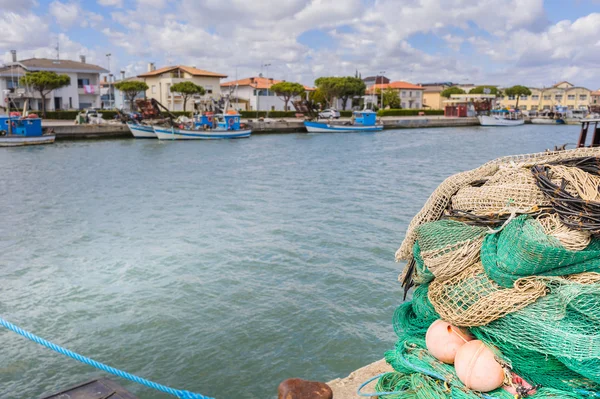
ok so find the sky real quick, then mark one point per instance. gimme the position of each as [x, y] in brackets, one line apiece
[501, 42]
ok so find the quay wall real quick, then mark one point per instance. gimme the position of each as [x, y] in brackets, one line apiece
[79, 132]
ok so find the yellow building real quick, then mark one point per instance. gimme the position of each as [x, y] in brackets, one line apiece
[160, 80]
[432, 98]
[562, 94]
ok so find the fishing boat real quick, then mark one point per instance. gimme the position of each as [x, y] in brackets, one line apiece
[206, 127]
[362, 121]
[502, 117]
[548, 121]
[18, 131]
[550, 117]
[140, 131]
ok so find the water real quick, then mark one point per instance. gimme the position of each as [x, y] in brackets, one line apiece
[218, 267]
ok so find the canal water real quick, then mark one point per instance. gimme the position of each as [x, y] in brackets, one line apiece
[218, 267]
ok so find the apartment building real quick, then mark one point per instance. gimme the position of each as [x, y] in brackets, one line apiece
[563, 94]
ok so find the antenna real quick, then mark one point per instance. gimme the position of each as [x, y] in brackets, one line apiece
[57, 49]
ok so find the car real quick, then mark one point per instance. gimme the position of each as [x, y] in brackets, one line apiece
[329, 113]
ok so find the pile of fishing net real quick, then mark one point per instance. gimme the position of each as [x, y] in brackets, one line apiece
[507, 258]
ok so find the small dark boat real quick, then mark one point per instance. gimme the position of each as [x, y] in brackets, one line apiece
[95, 389]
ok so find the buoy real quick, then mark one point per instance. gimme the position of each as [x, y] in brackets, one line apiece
[477, 368]
[443, 340]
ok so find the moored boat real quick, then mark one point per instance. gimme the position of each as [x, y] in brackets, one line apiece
[362, 121]
[547, 121]
[225, 126]
[501, 118]
[140, 131]
[19, 131]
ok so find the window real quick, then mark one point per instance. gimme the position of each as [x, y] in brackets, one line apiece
[534, 107]
[523, 98]
[153, 89]
[12, 84]
[547, 97]
[571, 97]
[70, 102]
[403, 105]
[511, 97]
[403, 94]
[571, 107]
[82, 82]
[558, 97]
[546, 107]
[208, 89]
[523, 107]
[535, 97]
[410, 93]
[582, 97]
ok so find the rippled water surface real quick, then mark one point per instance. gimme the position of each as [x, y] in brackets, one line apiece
[218, 267]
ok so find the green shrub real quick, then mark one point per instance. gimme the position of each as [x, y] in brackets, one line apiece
[408, 112]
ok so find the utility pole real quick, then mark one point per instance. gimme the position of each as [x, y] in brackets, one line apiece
[109, 83]
[381, 73]
[261, 67]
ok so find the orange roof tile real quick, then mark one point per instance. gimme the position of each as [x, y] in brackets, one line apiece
[187, 69]
[257, 83]
[596, 93]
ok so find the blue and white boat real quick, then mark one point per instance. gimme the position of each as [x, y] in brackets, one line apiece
[362, 121]
[140, 131]
[227, 126]
[18, 131]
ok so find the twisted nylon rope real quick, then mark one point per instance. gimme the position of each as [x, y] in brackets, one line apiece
[86, 360]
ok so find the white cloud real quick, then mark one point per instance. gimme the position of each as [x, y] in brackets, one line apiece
[66, 14]
[33, 31]
[17, 6]
[111, 3]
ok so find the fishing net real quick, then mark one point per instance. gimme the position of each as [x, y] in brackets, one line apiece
[471, 298]
[511, 251]
[523, 249]
[440, 199]
[511, 189]
[446, 247]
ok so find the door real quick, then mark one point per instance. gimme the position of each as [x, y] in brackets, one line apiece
[57, 103]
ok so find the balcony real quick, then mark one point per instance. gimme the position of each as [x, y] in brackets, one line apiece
[88, 90]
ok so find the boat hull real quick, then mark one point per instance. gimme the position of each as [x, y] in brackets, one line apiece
[178, 134]
[316, 127]
[141, 131]
[15, 141]
[485, 120]
[542, 121]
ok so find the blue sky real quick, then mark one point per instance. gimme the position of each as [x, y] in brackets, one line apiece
[531, 42]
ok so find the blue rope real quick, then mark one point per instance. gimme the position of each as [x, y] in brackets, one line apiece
[86, 360]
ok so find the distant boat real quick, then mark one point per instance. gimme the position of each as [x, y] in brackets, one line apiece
[18, 131]
[362, 121]
[140, 131]
[501, 118]
[547, 121]
[225, 126]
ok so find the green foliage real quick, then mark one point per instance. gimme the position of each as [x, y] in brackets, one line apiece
[130, 89]
[493, 90]
[517, 91]
[44, 82]
[287, 90]
[187, 89]
[390, 98]
[452, 90]
[318, 97]
[408, 112]
[340, 87]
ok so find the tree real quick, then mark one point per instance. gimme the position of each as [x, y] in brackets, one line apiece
[517, 91]
[492, 90]
[330, 88]
[44, 82]
[130, 89]
[286, 90]
[390, 98]
[187, 89]
[450, 91]
[317, 97]
[350, 87]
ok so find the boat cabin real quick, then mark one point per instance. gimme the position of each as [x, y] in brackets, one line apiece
[364, 118]
[18, 126]
[231, 121]
[587, 125]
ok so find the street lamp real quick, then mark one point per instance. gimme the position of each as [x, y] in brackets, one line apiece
[109, 76]
[261, 67]
[381, 73]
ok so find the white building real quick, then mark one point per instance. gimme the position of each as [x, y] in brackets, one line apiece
[160, 80]
[83, 92]
[411, 95]
[253, 94]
